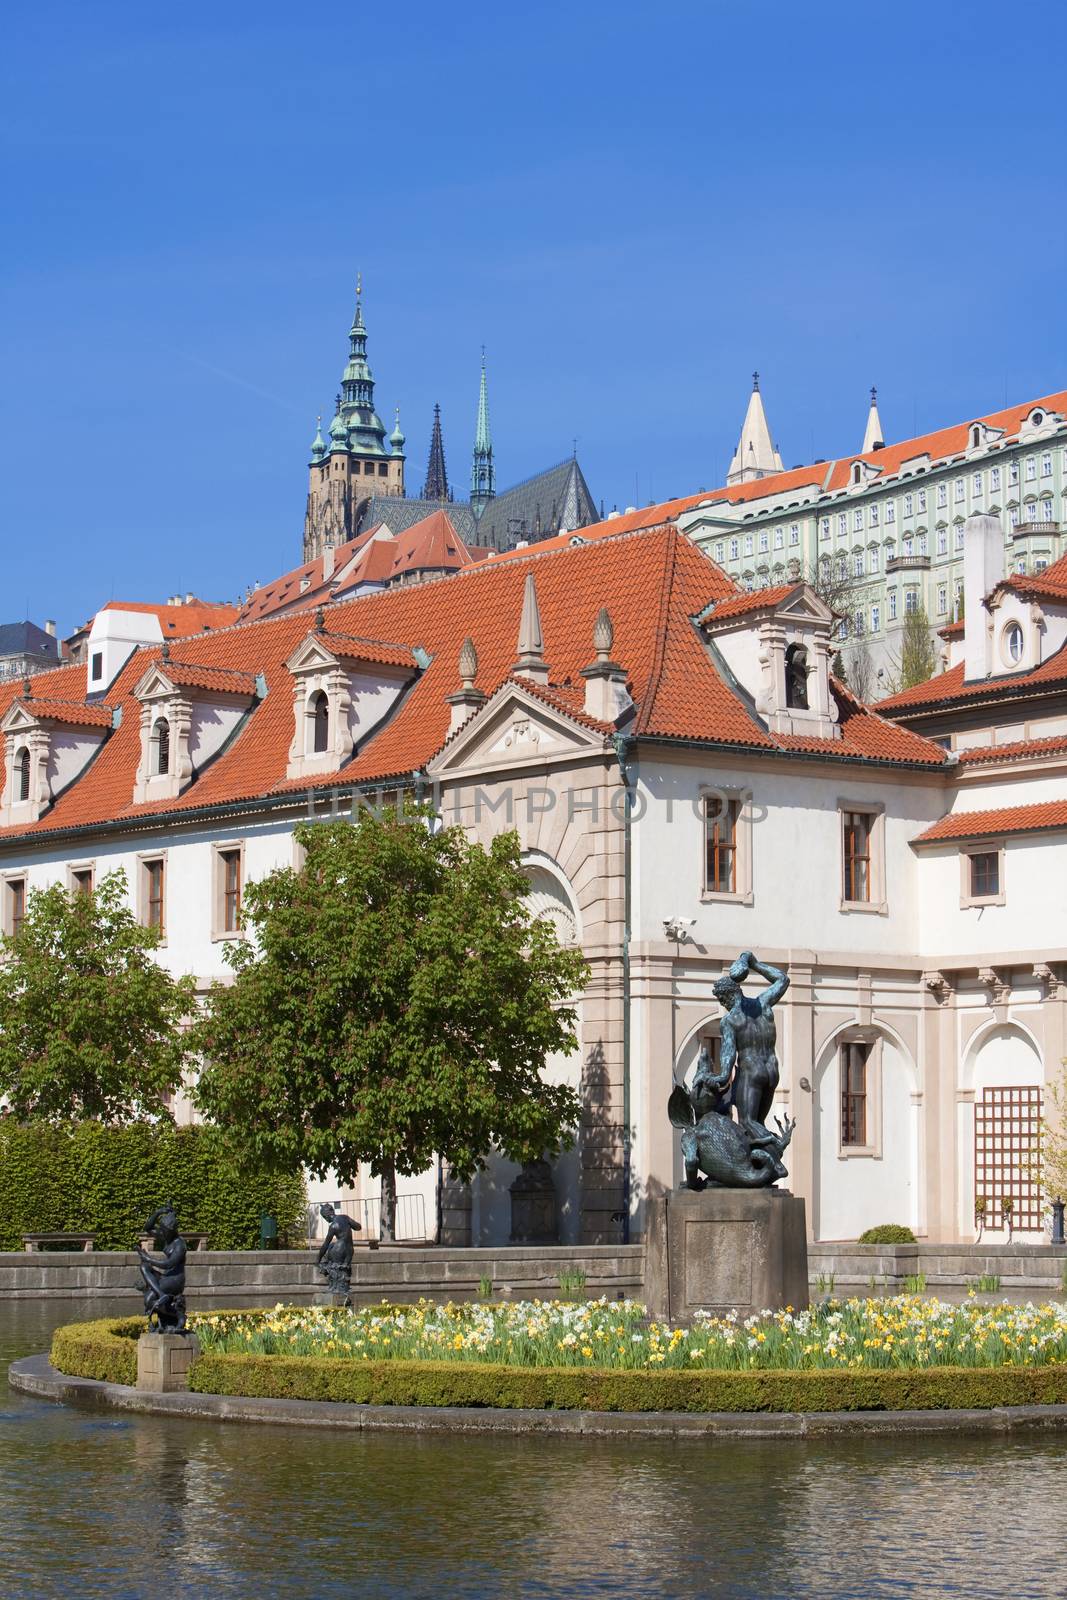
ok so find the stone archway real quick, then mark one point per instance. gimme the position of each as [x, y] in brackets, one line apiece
[860, 1185]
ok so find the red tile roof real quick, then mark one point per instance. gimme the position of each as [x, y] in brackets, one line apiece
[193, 675]
[1005, 819]
[178, 622]
[653, 584]
[71, 713]
[950, 688]
[739, 605]
[349, 647]
[1015, 750]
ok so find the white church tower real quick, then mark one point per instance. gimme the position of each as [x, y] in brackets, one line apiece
[755, 456]
[873, 437]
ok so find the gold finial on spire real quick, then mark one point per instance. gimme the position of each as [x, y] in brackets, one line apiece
[359, 284]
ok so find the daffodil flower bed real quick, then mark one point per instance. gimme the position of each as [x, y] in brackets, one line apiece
[905, 1332]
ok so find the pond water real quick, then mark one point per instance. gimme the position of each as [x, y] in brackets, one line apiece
[93, 1505]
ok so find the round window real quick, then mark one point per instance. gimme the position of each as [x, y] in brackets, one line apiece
[1013, 641]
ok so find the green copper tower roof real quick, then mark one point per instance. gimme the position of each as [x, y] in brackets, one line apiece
[365, 430]
[483, 473]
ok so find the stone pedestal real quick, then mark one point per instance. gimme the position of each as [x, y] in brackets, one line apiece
[742, 1250]
[164, 1359]
[327, 1297]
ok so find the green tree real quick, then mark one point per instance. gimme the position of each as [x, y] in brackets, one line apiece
[90, 1023]
[398, 1002]
[918, 660]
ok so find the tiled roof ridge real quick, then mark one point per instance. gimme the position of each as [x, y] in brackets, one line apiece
[995, 820]
[1013, 750]
[1044, 675]
[644, 715]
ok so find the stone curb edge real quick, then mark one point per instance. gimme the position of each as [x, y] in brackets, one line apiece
[35, 1375]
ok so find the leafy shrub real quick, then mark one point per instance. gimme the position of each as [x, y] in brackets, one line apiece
[90, 1177]
[105, 1350]
[887, 1233]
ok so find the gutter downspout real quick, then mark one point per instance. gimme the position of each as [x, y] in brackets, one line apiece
[623, 746]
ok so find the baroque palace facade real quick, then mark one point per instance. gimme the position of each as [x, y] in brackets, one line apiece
[892, 516]
[687, 780]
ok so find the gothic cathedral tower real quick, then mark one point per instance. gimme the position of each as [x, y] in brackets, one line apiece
[355, 464]
[483, 473]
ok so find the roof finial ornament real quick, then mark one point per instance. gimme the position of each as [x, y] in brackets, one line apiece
[531, 662]
[468, 664]
[755, 383]
[874, 395]
[320, 620]
[359, 283]
[603, 634]
[27, 688]
[165, 653]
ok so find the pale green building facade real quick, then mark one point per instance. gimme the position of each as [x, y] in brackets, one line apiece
[892, 516]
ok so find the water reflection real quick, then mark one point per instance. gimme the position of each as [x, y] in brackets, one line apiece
[94, 1506]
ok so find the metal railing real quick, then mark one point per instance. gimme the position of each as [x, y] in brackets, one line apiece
[410, 1225]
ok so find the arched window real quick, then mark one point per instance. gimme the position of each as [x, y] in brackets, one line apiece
[796, 677]
[22, 774]
[161, 747]
[320, 722]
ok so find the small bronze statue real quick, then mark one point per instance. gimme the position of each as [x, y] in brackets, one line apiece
[164, 1282]
[745, 1154]
[334, 1259]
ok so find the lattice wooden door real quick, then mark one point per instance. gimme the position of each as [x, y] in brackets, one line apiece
[1007, 1147]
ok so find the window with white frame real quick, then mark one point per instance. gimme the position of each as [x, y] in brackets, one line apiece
[890, 511]
[857, 518]
[862, 866]
[924, 545]
[748, 544]
[908, 504]
[842, 522]
[911, 600]
[922, 499]
[1013, 516]
[942, 541]
[876, 618]
[1031, 468]
[994, 479]
[1046, 464]
[779, 538]
[229, 884]
[942, 599]
[959, 536]
[794, 533]
[857, 564]
[982, 874]
[824, 527]
[958, 592]
[1046, 510]
[735, 549]
[764, 541]
[909, 545]
[977, 487]
[891, 604]
[958, 490]
[1013, 472]
[874, 515]
[859, 623]
[942, 494]
[153, 892]
[720, 552]
[14, 906]
[727, 871]
[875, 558]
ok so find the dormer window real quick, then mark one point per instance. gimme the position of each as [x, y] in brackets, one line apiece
[161, 748]
[976, 437]
[46, 745]
[319, 723]
[796, 677]
[22, 774]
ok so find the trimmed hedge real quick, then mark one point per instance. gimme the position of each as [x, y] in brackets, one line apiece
[94, 1178]
[887, 1233]
[106, 1350]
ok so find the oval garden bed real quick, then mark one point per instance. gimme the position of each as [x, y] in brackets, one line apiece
[905, 1353]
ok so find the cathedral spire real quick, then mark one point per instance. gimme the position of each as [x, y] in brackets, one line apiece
[483, 473]
[755, 456]
[873, 437]
[436, 485]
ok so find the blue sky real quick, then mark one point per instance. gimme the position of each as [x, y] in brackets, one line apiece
[630, 205]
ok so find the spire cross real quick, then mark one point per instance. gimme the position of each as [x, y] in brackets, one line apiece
[755, 383]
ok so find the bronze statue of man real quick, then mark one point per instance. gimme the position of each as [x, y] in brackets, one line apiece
[334, 1259]
[748, 1041]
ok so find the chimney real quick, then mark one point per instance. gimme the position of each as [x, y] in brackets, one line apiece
[328, 558]
[531, 663]
[606, 694]
[467, 699]
[983, 568]
[189, 598]
[50, 628]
